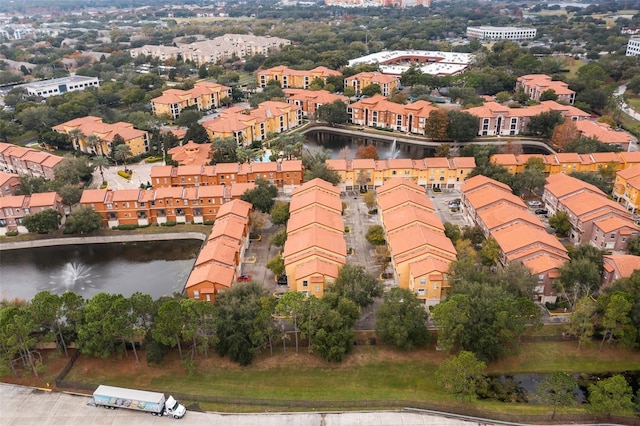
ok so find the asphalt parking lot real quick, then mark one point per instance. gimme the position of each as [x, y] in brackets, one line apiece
[441, 204]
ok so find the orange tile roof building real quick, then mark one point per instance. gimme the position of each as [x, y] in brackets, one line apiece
[294, 79]
[499, 120]
[27, 161]
[626, 189]
[378, 111]
[191, 154]
[162, 205]
[315, 249]
[9, 184]
[420, 252]
[429, 173]
[286, 174]
[519, 233]
[219, 263]
[604, 133]
[535, 85]
[618, 266]
[388, 83]
[248, 125]
[310, 100]
[595, 219]
[80, 129]
[205, 96]
[569, 162]
[13, 209]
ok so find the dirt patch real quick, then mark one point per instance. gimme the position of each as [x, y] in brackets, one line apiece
[53, 361]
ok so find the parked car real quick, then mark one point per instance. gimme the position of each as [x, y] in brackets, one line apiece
[541, 211]
[244, 278]
[282, 280]
[534, 203]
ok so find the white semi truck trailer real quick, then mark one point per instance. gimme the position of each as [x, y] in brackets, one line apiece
[133, 399]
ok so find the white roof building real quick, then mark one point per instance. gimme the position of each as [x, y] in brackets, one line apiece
[430, 62]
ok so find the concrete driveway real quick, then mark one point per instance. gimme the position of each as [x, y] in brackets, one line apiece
[141, 175]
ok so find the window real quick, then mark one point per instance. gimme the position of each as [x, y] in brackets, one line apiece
[305, 283]
[613, 236]
[196, 294]
[208, 298]
[317, 289]
[540, 278]
[435, 286]
[423, 281]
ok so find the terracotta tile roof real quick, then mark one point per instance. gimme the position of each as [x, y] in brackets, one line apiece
[543, 263]
[630, 172]
[403, 196]
[428, 266]
[416, 238]
[630, 157]
[317, 266]
[215, 274]
[161, 171]
[188, 170]
[363, 163]
[615, 223]
[169, 192]
[315, 215]
[13, 201]
[338, 164]
[587, 202]
[235, 207]
[520, 236]
[478, 181]
[560, 185]
[191, 154]
[315, 237]
[395, 184]
[503, 213]
[6, 177]
[227, 168]
[220, 251]
[544, 83]
[374, 77]
[264, 167]
[624, 264]
[464, 162]
[317, 196]
[408, 215]
[229, 226]
[126, 195]
[506, 159]
[291, 165]
[491, 195]
[146, 195]
[239, 188]
[314, 184]
[213, 191]
[44, 199]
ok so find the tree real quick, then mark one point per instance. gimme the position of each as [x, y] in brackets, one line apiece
[612, 395]
[375, 235]
[615, 318]
[560, 223]
[328, 324]
[333, 113]
[321, 171]
[443, 150]
[367, 152]
[167, 324]
[544, 123]
[369, 199]
[94, 143]
[548, 95]
[401, 320]
[581, 320]
[462, 126]
[532, 177]
[563, 134]
[197, 133]
[452, 232]
[188, 117]
[291, 305]
[101, 163]
[238, 309]
[558, 389]
[43, 222]
[98, 331]
[70, 194]
[461, 374]
[224, 150]
[122, 152]
[578, 278]
[436, 126]
[72, 170]
[633, 246]
[371, 89]
[276, 265]
[279, 238]
[46, 309]
[83, 221]
[262, 196]
[490, 252]
[280, 213]
[356, 284]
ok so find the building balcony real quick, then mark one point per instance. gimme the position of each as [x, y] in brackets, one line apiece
[113, 222]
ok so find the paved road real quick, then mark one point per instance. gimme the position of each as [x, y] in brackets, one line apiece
[28, 406]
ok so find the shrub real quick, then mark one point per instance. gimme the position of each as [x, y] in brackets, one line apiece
[156, 352]
[104, 185]
[154, 159]
[11, 233]
[126, 227]
[124, 174]
[347, 229]
[168, 224]
[208, 222]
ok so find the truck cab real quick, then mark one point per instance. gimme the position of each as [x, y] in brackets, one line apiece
[174, 408]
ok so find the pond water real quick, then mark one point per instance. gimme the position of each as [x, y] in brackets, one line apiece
[155, 268]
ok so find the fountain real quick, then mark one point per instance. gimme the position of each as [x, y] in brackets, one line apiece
[394, 150]
[73, 276]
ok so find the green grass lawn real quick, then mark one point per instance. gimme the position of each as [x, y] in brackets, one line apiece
[369, 374]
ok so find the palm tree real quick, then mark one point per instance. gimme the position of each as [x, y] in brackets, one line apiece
[101, 163]
[75, 135]
[247, 155]
[121, 153]
[94, 142]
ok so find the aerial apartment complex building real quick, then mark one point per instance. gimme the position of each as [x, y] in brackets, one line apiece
[27, 161]
[14, 208]
[310, 100]
[626, 189]
[218, 49]
[205, 95]
[501, 33]
[569, 162]
[294, 79]
[535, 85]
[419, 250]
[92, 136]
[315, 249]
